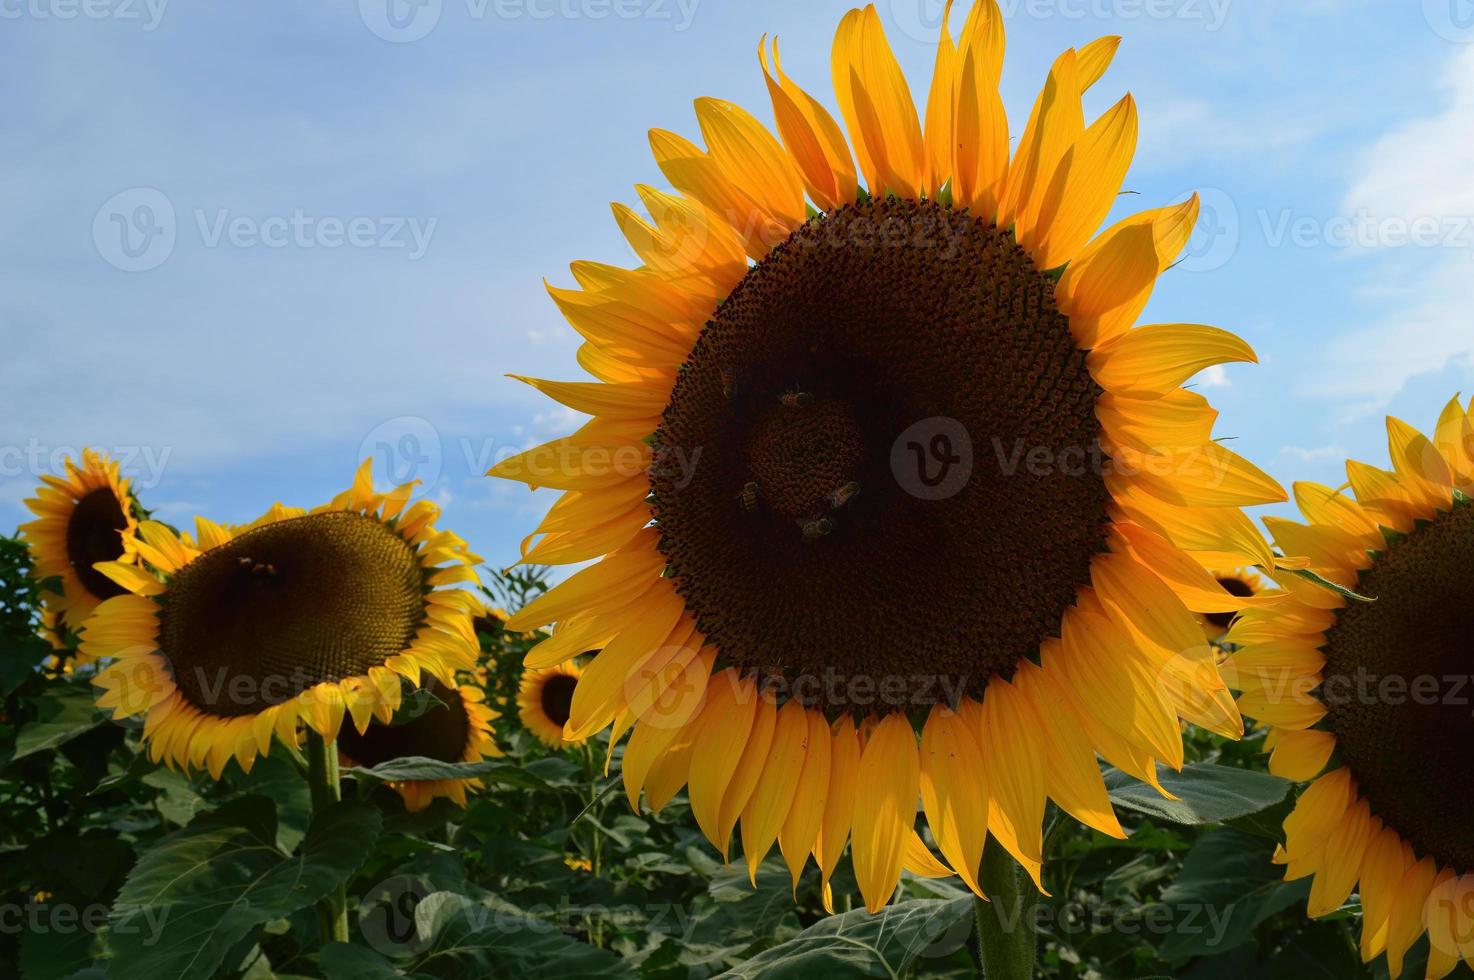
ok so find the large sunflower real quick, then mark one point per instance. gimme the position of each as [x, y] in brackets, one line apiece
[922, 412]
[82, 518]
[544, 698]
[296, 616]
[455, 729]
[1374, 692]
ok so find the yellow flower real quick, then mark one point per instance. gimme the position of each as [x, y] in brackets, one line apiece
[298, 616]
[86, 517]
[1371, 684]
[543, 700]
[1243, 582]
[458, 729]
[903, 417]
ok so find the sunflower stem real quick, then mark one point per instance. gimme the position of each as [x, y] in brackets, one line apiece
[1006, 926]
[322, 780]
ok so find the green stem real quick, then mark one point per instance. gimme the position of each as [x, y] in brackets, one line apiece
[1007, 942]
[322, 780]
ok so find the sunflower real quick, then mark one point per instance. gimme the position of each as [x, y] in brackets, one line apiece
[456, 729]
[298, 616]
[1243, 582]
[543, 700]
[826, 416]
[1359, 694]
[53, 630]
[86, 517]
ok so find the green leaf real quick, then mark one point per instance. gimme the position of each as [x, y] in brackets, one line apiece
[19, 660]
[199, 891]
[414, 767]
[344, 961]
[1227, 886]
[1207, 793]
[857, 943]
[473, 941]
[62, 713]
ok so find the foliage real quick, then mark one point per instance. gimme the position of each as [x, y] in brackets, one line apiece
[114, 867]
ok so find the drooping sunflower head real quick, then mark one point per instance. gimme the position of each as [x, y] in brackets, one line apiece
[455, 728]
[298, 616]
[544, 698]
[826, 416]
[1368, 699]
[1242, 582]
[85, 517]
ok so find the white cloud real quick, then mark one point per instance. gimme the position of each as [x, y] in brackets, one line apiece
[1422, 169]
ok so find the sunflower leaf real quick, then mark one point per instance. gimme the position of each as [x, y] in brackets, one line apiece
[414, 767]
[464, 938]
[1206, 793]
[1227, 886]
[200, 891]
[62, 713]
[858, 944]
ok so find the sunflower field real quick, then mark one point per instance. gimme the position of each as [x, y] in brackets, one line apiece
[899, 608]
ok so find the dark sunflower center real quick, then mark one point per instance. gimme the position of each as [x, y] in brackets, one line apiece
[94, 534]
[556, 697]
[287, 606]
[1399, 682]
[879, 472]
[440, 733]
[1234, 587]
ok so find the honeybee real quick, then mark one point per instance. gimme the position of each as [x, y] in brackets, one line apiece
[814, 530]
[748, 497]
[796, 399]
[843, 495]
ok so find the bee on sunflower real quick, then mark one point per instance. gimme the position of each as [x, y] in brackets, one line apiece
[87, 516]
[1356, 692]
[824, 412]
[225, 639]
[456, 727]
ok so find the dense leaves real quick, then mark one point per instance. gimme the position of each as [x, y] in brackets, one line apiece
[113, 867]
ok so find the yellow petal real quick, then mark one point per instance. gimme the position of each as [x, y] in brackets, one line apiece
[727, 720]
[885, 813]
[954, 792]
[1153, 360]
[1300, 756]
[801, 826]
[1084, 187]
[751, 158]
[1016, 761]
[768, 808]
[839, 803]
[877, 106]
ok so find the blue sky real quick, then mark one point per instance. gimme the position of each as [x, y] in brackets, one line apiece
[244, 244]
